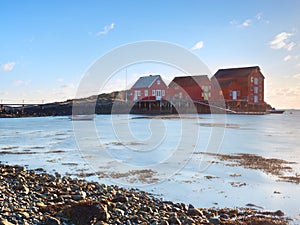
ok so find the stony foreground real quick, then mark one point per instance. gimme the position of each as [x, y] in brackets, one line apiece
[35, 197]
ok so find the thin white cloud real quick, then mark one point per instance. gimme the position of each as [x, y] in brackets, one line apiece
[67, 86]
[19, 83]
[106, 29]
[297, 76]
[8, 66]
[290, 46]
[60, 80]
[281, 41]
[233, 22]
[259, 16]
[3, 93]
[246, 23]
[198, 45]
[287, 58]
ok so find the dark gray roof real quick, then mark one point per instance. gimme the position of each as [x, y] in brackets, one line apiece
[190, 80]
[145, 82]
[236, 72]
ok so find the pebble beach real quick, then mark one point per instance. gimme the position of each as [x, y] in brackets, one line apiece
[37, 197]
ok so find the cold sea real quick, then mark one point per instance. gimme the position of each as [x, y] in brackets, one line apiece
[172, 157]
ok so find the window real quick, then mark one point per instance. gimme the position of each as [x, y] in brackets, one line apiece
[255, 81]
[158, 82]
[139, 93]
[230, 93]
[255, 90]
[163, 92]
[238, 93]
[146, 92]
[153, 92]
[255, 98]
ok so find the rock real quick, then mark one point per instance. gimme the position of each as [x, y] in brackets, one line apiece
[279, 213]
[120, 199]
[189, 221]
[5, 222]
[119, 212]
[52, 221]
[78, 197]
[194, 212]
[174, 220]
[84, 212]
[101, 223]
[214, 221]
[164, 222]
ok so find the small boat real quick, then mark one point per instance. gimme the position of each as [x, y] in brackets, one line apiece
[82, 117]
[276, 111]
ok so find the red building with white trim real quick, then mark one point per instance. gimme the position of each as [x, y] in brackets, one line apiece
[195, 88]
[241, 88]
[150, 87]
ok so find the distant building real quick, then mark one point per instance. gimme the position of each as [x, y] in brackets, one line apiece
[150, 87]
[241, 88]
[195, 88]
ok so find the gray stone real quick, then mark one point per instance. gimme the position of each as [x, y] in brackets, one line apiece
[52, 221]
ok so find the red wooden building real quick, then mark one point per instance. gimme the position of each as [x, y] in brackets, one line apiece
[241, 88]
[150, 87]
[195, 88]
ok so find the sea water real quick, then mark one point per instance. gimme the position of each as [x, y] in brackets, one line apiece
[169, 146]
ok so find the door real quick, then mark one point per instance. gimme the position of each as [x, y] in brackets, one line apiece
[135, 95]
[158, 94]
[234, 95]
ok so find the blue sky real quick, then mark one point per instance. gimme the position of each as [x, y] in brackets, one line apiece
[46, 46]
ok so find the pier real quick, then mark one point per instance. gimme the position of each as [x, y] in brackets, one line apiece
[17, 107]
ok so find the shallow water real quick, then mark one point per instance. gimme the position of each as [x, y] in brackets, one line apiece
[120, 144]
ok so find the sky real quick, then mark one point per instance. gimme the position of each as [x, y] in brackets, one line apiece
[46, 47]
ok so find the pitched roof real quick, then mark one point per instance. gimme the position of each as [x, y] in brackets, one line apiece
[190, 80]
[145, 82]
[236, 72]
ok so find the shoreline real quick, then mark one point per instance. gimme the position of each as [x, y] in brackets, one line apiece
[35, 197]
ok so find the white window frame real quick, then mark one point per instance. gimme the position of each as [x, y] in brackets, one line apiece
[158, 92]
[255, 99]
[163, 92]
[153, 93]
[146, 92]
